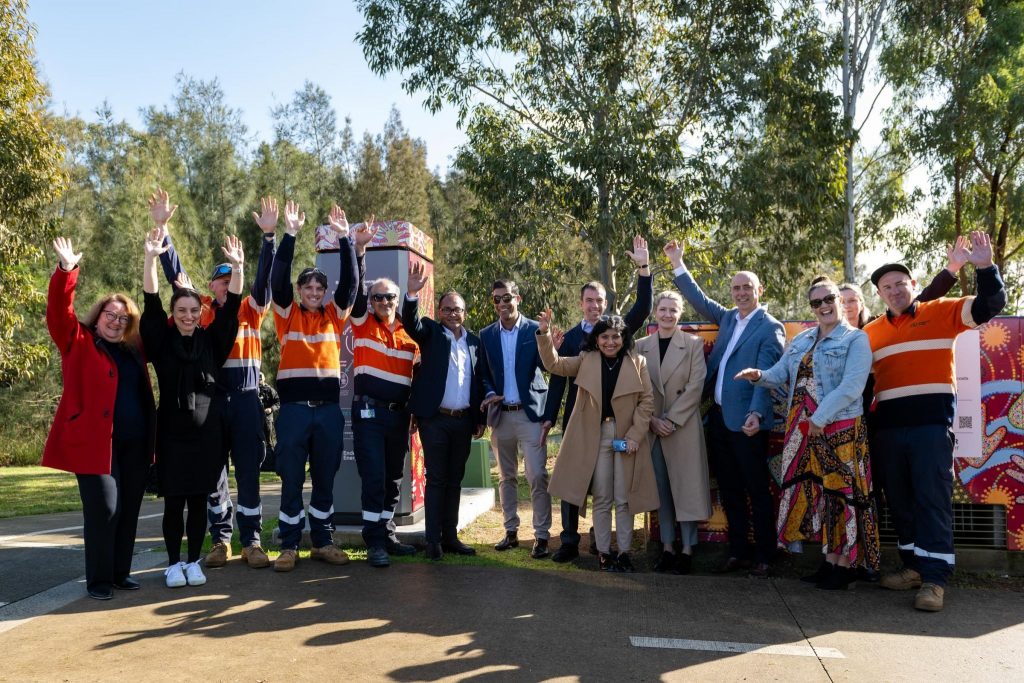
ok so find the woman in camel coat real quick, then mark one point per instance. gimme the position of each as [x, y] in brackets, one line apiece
[619, 411]
[675, 361]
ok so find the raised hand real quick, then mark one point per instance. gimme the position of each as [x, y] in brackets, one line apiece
[544, 319]
[183, 281]
[640, 255]
[958, 254]
[674, 251]
[557, 337]
[417, 279]
[338, 222]
[154, 244]
[365, 233]
[66, 253]
[749, 374]
[981, 249]
[293, 219]
[233, 251]
[160, 210]
[267, 218]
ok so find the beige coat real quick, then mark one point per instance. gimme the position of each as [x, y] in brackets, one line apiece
[632, 402]
[678, 382]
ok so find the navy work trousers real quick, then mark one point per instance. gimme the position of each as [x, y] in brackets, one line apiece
[242, 416]
[381, 443]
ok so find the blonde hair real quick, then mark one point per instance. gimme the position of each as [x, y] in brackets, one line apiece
[669, 294]
[864, 317]
[131, 330]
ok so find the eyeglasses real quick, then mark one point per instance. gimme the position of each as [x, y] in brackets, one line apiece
[503, 298]
[387, 296]
[816, 303]
[114, 317]
[448, 310]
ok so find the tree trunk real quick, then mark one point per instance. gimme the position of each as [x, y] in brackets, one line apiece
[849, 111]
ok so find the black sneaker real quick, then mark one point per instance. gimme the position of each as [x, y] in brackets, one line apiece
[605, 562]
[624, 564]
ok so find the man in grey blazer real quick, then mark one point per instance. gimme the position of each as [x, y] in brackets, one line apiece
[740, 416]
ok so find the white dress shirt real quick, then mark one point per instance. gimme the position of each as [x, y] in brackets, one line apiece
[460, 369]
[508, 360]
[737, 332]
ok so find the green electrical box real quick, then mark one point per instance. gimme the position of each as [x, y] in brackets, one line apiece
[478, 467]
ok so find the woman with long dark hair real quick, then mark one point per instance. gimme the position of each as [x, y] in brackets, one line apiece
[105, 423]
[186, 358]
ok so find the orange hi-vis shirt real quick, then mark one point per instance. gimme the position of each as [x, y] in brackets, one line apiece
[382, 360]
[310, 367]
[912, 354]
[241, 371]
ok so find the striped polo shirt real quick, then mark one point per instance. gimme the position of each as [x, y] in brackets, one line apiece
[382, 359]
[310, 367]
[912, 354]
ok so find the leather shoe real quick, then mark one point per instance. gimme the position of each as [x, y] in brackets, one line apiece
[100, 593]
[684, 563]
[127, 584]
[511, 540]
[393, 547]
[733, 564]
[377, 556]
[761, 570]
[567, 552]
[433, 551]
[457, 547]
[540, 549]
[666, 563]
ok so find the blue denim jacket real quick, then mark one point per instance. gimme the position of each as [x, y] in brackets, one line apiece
[842, 362]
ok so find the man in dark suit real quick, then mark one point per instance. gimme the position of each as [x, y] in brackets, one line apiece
[741, 414]
[593, 302]
[514, 384]
[446, 394]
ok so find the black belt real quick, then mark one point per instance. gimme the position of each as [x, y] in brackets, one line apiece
[454, 413]
[395, 407]
[313, 404]
[511, 408]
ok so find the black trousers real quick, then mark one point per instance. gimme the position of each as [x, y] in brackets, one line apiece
[110, 507]
[446, 444]
[740, 465]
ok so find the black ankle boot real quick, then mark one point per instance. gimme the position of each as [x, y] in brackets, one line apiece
[840, 579]
[822, 573]
[666, 563]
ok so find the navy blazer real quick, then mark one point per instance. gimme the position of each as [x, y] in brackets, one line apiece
[533, 390]
[760, 346]
[429, 380]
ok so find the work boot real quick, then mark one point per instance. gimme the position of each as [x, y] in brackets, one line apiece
[286, 561]
[218, 556]
[567, 552]
[330, 553]
[903, 580]
[929, 598]
[255, 557]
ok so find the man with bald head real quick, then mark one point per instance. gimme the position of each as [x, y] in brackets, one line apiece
[741, 416]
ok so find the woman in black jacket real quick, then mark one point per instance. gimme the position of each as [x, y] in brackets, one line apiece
[186, 358]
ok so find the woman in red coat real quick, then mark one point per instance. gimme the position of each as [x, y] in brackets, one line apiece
[104, 429]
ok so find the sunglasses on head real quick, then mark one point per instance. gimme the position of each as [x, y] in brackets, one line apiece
[828, 299]
[385, 296]
[114, 317]
[222, 270]
[503, 298]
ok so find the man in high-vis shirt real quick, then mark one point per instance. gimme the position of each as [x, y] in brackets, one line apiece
[915, 392]
[237, 388]
[310, 424]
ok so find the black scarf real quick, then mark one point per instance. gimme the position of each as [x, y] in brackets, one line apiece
[195, 381]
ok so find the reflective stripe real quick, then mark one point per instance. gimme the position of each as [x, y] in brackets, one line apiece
[381, 374]
[219, 509]
[288, 519]
[359, 320]
[965, 312]
[241, 363]
[915, 390]
[255, 306]
[371, 516]
[909, 546]
[311, 338]
[905, 347]
[250, 512]
[320, 373]
[387, 514]
[948, 558]
[381, 348]
[248, 332]
[321, 515]
[283, 312]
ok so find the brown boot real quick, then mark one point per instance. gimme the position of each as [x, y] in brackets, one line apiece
[218, 556]
[929, 598]
[254, 556]
[286, 561]
[903, 580]
[330, 553]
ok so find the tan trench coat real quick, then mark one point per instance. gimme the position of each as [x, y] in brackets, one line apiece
[678, 382]
[632, 402]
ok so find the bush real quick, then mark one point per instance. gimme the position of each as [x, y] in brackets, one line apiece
[27, 408]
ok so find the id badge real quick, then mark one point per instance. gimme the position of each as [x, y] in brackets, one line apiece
[367, 413]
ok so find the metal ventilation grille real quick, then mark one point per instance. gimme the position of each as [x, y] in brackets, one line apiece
[974, 526]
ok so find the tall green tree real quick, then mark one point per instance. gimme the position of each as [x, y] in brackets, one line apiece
[31, 178]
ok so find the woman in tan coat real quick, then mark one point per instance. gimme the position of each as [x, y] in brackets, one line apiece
[675, 361]
[604, 448]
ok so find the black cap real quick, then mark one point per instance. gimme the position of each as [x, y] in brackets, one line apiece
[221, 270]
[889, 268]
[312, 274]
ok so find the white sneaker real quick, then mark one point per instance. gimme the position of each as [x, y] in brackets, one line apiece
[194, 574]
[175, 575]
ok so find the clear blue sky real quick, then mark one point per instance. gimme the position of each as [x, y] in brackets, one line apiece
[128, 52]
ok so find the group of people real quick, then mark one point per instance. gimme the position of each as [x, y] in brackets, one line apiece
[861, 403]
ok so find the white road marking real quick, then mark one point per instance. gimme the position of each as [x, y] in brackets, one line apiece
[5, 539]
[736, 648]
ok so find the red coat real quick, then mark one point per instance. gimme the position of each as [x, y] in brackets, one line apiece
[80, 438]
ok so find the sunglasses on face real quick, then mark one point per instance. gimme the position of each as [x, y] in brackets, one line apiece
[447, 310]
[816, 303]
[114, 317]
[503, 298]
[386, 296]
